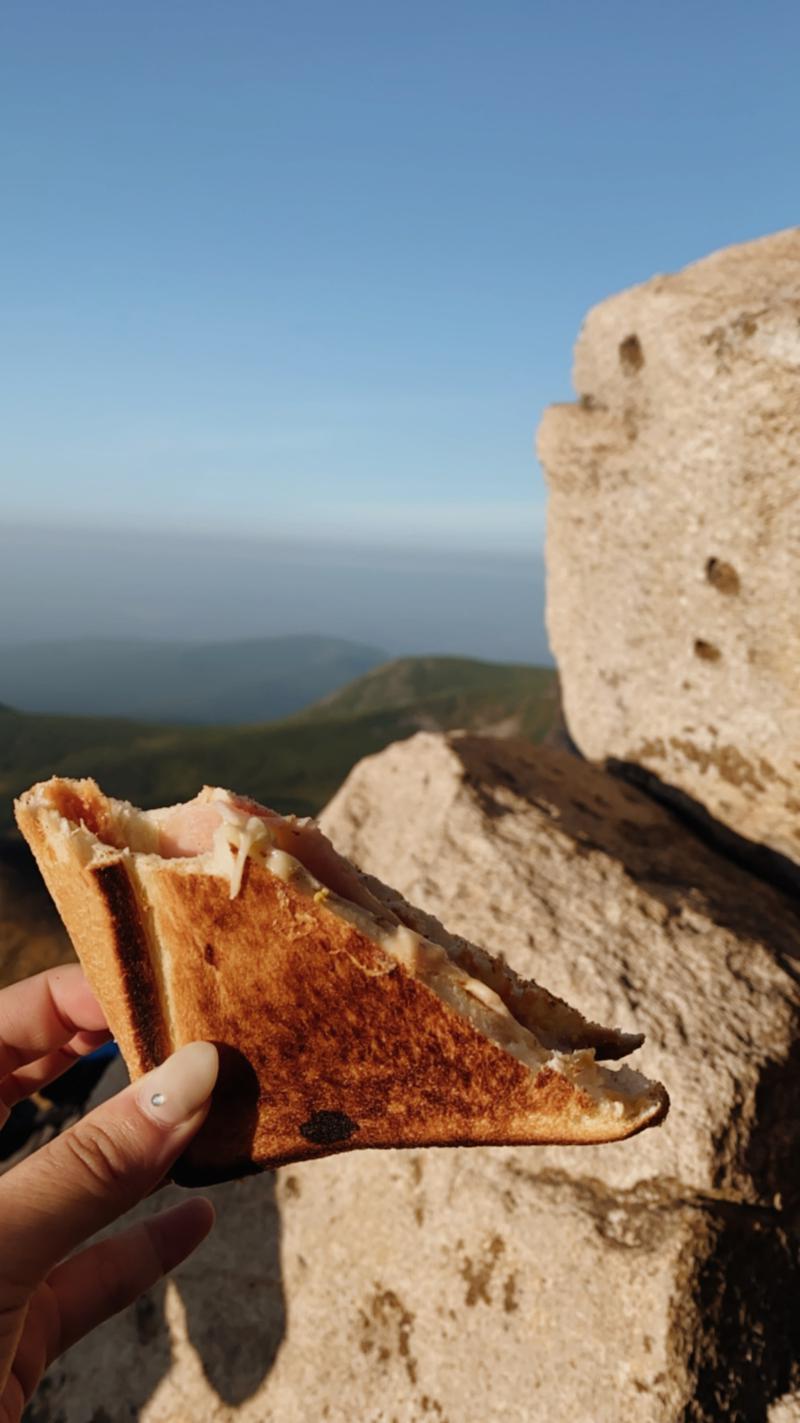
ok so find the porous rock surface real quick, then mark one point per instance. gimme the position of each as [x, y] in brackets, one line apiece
[673, 546]
[651, 1280]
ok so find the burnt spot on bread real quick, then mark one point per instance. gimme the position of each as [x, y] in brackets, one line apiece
[134, 959]
[324, 1128]
[209, 955]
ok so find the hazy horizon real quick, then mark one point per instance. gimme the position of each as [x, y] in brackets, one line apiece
[284, 296]
[58, 584]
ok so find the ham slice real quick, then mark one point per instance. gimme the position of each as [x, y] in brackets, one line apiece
[188, 830]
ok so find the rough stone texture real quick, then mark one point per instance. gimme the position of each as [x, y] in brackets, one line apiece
[652, 1280]
[673, 547]
[786, 1410]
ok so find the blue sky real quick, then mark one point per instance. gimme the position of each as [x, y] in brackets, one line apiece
[316, 268]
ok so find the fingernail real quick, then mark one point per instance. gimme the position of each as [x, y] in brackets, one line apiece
[173, 1092]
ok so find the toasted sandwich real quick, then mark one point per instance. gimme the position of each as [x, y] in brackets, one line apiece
[345, 1017]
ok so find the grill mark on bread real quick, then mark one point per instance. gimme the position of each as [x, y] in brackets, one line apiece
[134, 958]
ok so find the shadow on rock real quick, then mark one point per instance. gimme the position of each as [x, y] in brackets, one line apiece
[230, 1308]
[745, 1279]
[233, 1294]
[231, 1297]
[111, 1391]
[672, 855]
[759, 860]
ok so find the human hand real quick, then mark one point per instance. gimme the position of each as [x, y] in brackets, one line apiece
[83, 1180]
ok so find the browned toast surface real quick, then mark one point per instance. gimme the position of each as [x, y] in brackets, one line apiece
[327, 1042]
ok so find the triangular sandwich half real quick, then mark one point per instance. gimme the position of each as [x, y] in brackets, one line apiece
[345, 1017]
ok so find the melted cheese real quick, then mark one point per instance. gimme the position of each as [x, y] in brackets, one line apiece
[240, 835]
[237, 836]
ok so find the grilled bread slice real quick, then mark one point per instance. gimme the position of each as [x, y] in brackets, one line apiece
[345, 1018]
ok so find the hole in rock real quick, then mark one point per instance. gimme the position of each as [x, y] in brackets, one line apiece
[722, 576]
[631, 355]
[706, 650]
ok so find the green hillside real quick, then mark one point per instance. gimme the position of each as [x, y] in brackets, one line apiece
[28, 739]
[294, 764]
[448, 692]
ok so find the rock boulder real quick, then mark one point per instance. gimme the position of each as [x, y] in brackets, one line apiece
[673, 546]
[653, 1280]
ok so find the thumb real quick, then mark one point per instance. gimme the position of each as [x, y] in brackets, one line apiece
[86, 1178]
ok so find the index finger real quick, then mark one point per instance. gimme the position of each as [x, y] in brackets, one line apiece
[43, 1013]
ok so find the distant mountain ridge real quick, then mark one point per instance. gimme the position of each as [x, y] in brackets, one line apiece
[294, 764]
[439, 693]
[211, 683]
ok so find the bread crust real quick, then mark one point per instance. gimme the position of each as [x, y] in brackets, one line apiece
[98, 906]
[327, 1043]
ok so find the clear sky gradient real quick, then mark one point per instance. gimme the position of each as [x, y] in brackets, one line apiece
[316, 268]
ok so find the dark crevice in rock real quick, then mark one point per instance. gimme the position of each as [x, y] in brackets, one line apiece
[654, 1196]
[773, 1152]
[746, 1352]
[736, 1310]
[758, 860]
[655, 855]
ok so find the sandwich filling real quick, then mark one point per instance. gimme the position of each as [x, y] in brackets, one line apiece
[218, 833]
